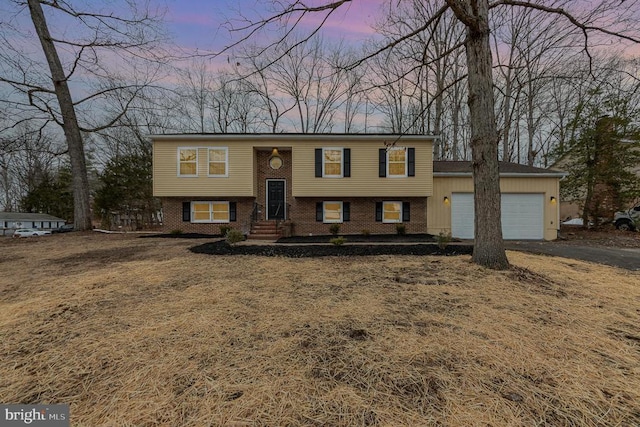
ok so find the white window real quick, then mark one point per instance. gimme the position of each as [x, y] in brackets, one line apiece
[187, 161]
[332, 162]
[332, 212]
[391, 212]
[218, 161]
[210, 212]
[397, 162]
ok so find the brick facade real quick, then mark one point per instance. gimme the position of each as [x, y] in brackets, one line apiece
[302, 214]
[363, 217]
[264, 172]
[172, 215]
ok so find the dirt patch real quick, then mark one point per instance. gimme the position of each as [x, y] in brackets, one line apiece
[163, 336]
[105, 256]
[604, 236]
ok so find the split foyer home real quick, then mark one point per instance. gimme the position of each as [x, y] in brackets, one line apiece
[304, 183]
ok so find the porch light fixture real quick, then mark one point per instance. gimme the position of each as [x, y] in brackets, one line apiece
[446, 201]
[275, 161]
[553, 200]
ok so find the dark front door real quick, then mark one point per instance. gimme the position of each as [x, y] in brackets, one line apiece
[275, 199]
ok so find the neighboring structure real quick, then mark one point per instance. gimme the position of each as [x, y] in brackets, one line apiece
[10, 221]
[572, 208]
[304, 183]
[529, 201]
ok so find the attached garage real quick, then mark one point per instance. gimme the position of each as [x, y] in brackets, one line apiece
[522, 216]
[528, 203]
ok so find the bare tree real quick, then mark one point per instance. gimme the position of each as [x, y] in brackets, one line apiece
[43, 93]
[474, 16]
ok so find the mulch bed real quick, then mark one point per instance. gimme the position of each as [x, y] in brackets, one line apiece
[305, 251]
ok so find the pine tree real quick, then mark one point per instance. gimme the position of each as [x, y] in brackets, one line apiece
[601, 159]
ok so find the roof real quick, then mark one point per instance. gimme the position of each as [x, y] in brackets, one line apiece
[25, 216]
[270, 137]
[463, 168]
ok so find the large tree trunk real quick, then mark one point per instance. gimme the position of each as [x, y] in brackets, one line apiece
[488, 246]
[81, 205]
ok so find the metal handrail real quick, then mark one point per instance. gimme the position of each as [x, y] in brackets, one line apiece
[257, 208]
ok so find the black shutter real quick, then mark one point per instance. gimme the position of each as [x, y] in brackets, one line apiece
[378, 211]
[233, 208]
[412, 162]
[346, 154]
[319, 211]
[406, 212]
[346, 211]
[382, 163]
[186, 211]
[318, 162]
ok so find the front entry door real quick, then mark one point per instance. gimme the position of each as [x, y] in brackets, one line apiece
[275, 199]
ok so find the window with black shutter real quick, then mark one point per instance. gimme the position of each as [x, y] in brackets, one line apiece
[186, 211]
[411, 162]
[233, 207]
[379, 211]
[382, 163]
[406, 212]
[318, 162]
[346, 162]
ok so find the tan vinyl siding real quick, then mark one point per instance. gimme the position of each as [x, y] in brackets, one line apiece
[364, 180]
[238, 183]
[439, 219]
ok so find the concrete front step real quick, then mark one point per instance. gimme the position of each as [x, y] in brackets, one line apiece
[264, 230]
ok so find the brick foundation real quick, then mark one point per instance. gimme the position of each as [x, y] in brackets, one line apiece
[363, 216]
[302, 214]
[172, 215]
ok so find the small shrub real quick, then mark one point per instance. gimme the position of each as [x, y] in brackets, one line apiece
[334, 229]
[338, 241]
[444, 239]
[234, 236]
[365, 232]
[224, 229]
[401, 229]
[175, 232]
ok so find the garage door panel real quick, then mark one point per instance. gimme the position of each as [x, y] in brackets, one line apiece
[462, 212]
[522, 216]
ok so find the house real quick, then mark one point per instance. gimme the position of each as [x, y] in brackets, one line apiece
[304, 183]
[10, 221]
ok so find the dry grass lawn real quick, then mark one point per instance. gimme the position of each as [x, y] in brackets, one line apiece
[142, 332]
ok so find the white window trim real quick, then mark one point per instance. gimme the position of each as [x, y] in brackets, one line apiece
[178, 160]
[341, 149]
[386, 221]
[332, 221]
[210, 220]
[406, 162]
[226, 162]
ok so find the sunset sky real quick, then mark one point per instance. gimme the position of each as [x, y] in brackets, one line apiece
[201, 24]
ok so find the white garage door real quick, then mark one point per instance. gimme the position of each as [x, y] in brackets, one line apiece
[522, 216]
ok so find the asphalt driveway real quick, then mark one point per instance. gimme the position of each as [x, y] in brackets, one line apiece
[627, 258]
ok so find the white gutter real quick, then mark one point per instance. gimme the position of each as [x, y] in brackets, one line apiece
[504, 175]
[288, 137]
